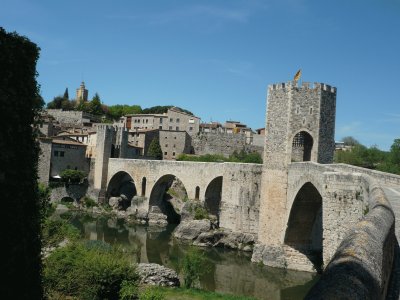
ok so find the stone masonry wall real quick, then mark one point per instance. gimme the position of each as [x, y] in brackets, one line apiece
[365, 256]
[44, 160]
[222, 143]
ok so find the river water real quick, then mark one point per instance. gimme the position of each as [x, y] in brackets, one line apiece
[227, 271]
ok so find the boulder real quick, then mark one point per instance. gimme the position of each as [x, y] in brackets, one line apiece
[236, 240]
[208, 239]
[155, 274]
[158, 219]
[190, 230]
[114, 202]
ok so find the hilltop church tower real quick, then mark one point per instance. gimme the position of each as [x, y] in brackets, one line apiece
[300, 126]
[81, 94]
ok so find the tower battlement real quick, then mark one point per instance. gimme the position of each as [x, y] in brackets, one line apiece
[304, 85]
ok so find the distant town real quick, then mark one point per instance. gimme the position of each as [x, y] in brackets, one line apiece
[68, 133]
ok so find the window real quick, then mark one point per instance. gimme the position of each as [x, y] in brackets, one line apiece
[166, 145]
[310, 110]
[61, 153]
[177, 120]
[173, 153]
[177, 128]
[147, 121]
[174, 137]
[174, 145]
[170, 127]
[55, 153]
[165, 153]
[160, 127]
[171, 120]
[161, 120]
[190, 128]
[191, 121]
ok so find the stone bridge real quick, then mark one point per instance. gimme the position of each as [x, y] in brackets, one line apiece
[307, 213]
[231, 188]
[323, 201]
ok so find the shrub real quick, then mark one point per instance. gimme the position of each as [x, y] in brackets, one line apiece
[151, 293]
[55, 231]
[72, 176]
[193, 266]
[200, 213]
[128, 291]
[89, 272]
[89, 202]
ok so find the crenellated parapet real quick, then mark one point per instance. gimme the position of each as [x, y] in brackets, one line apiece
[304, 85]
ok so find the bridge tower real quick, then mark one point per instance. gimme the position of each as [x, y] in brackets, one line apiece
[300, 126]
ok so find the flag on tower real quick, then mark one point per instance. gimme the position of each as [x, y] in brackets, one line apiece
[297, 76]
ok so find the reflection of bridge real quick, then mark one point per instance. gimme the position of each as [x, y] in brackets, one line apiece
[302, 208]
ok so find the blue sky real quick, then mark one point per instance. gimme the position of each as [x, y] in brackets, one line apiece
[216, 58]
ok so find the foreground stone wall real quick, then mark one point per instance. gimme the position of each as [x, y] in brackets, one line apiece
[362, 265]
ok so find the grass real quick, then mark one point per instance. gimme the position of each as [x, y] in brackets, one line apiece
[189, 294]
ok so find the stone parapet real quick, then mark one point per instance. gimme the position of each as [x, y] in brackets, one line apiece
[362, 265]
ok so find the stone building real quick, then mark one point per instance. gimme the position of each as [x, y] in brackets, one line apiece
[58, 154]
[81, 94]
[174, 143]
[141, 139]
[174, 119]
[73, 118]
[212, 127]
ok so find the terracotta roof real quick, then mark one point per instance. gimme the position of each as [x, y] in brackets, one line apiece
[68, 143]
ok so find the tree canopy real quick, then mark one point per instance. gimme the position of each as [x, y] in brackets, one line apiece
[372, 157]
[155, 149]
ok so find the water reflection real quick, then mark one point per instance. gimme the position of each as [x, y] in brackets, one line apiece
[227, 271]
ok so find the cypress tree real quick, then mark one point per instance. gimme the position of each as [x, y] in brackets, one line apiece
[20, 103]
[155, 149]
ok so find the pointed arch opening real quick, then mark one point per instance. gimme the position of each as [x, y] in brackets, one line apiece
[123, 187]
[304, 228]
[213, 197]
[167, 197]
[301, 146]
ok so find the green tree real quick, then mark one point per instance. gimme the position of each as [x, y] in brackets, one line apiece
[56, 103]
[66, 96]
[117, 111]
[95, 106]
[193, 266]
[392, 162]
[155, 149]
[72, 176]
[350, 141]
[20, 104]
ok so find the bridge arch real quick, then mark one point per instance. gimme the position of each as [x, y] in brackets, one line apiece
[302, 145]
[213, 196]
[121, 183]
[161, 202]
[304, 227]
